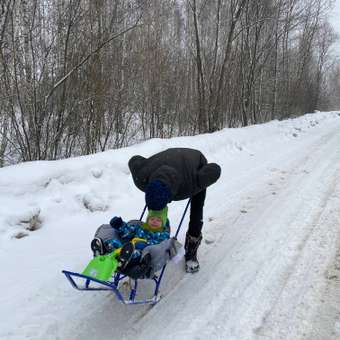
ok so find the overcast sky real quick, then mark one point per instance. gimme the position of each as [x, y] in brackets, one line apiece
[335, 21]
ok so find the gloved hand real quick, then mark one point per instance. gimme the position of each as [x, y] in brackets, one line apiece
[116, 222]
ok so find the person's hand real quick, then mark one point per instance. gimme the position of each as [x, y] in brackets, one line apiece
[116, 222]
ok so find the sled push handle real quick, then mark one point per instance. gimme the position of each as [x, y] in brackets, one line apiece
[177, 232]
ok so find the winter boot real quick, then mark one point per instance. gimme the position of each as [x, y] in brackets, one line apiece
[141, 270]
[126, 255]
[191, 246]
[97, 246]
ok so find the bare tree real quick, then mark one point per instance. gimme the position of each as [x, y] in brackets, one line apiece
[81, 76]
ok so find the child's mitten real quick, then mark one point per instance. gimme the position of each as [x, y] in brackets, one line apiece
[116, 222]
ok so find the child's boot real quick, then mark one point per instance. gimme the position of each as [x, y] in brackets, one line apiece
[191, 246]
[141, 270]
[97, 246]
[125, 255]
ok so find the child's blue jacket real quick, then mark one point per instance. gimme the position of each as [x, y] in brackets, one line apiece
[129, 230]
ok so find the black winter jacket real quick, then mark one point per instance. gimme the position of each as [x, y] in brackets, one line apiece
[185, 171]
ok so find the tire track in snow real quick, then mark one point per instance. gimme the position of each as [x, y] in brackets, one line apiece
[293, 314]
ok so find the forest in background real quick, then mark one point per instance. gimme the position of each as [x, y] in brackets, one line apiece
[83, 76]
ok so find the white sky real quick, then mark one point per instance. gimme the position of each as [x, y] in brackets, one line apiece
[335, 21]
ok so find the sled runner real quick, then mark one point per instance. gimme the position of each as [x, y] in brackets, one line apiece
[91, 283]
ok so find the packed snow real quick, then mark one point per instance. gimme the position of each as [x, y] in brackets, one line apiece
[270, 263]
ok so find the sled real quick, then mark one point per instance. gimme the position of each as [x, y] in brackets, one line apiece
[87, 283]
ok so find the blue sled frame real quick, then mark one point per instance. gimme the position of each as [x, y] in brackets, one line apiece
[113, 286]
[98, 285]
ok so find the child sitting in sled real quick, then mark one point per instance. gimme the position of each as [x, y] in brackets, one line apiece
[144, 247]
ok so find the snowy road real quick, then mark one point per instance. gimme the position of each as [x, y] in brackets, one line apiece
[271, 268]
[265, 276]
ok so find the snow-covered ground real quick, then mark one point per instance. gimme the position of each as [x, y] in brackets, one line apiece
[270, 263]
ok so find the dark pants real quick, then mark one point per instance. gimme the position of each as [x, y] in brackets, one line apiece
[196, 214]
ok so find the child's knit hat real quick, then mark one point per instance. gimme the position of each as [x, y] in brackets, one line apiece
[162, 214]
[157, 195]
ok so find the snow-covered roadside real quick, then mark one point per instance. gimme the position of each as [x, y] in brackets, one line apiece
[72, 197]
